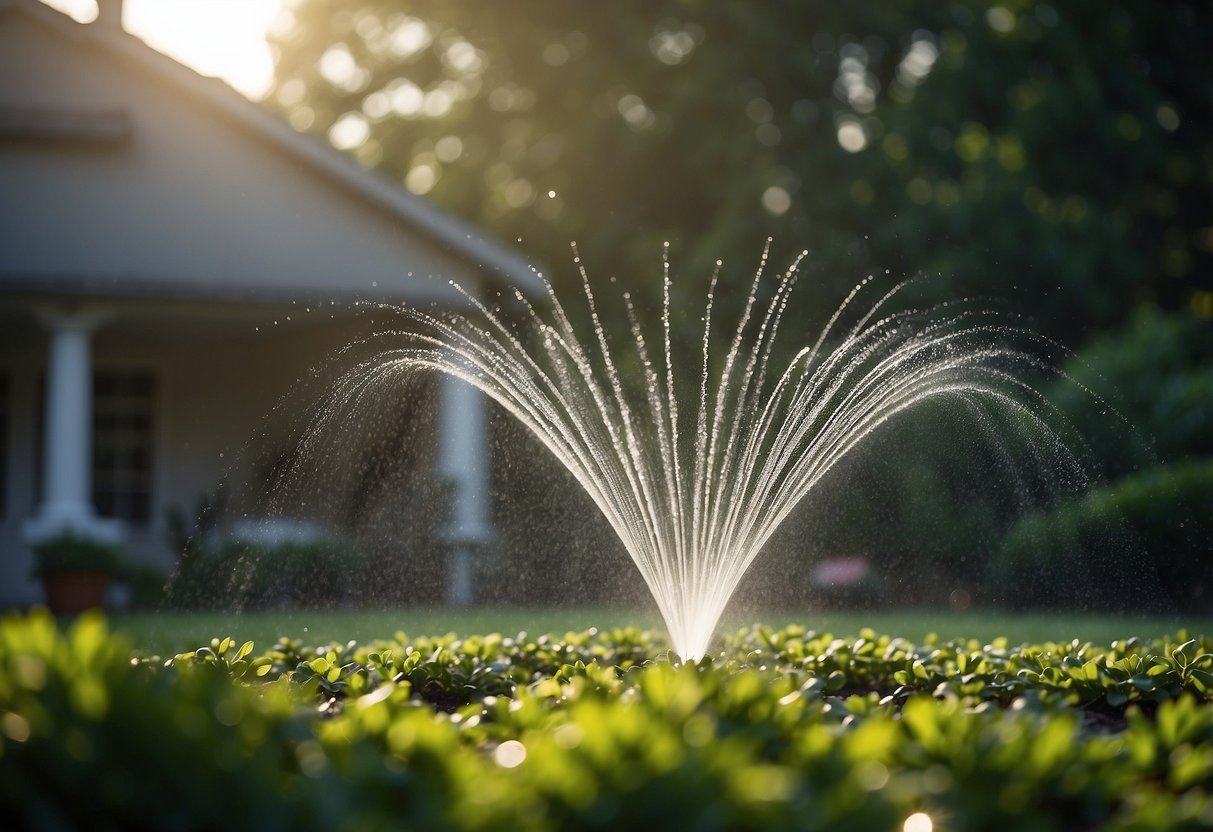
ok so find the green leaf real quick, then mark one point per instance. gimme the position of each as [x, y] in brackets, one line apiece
[1180, 653]
[1202, 680]
[1143, 684]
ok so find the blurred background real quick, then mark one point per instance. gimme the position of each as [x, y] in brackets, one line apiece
[1056, 157]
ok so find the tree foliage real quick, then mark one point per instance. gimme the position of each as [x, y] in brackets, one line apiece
[1059, 154]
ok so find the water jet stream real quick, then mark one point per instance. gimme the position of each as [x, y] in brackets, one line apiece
[693, 509]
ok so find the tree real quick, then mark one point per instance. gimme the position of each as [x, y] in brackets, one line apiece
[1059, 155]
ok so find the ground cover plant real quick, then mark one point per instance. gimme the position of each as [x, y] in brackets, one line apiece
[779, 728]
[168, 634]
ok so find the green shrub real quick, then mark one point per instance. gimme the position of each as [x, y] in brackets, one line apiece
[145, 582]
[1157, 372]
[249, 576]
[71, 552]
[784, 729]
[1140, 543]
[90, 741]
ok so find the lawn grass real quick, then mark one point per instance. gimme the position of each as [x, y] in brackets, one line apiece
[169, 633]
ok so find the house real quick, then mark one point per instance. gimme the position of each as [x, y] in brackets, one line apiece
[172, 258]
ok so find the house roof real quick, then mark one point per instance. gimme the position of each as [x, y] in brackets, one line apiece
[452, 235]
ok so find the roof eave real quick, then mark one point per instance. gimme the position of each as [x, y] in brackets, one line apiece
[457, 237]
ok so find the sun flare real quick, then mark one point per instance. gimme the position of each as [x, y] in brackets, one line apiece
[222, 38]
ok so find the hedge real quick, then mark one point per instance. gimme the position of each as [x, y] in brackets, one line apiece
[1140, 543]
[783, 729]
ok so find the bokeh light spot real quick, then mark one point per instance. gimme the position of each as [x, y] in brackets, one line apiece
[851, 136]
[776, 200]
[421, 179]
[509, 754]
[349, 131]
[1000, 19]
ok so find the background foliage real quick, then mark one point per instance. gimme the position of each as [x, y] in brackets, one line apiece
[1061, 152]
[1056, 156]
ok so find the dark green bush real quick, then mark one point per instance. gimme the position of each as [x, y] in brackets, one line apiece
[70, 552]
[1157, 372]
[1140, 543]
[146, 584]
[247, 576]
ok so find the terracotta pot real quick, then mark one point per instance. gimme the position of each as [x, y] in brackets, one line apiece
[68, 593]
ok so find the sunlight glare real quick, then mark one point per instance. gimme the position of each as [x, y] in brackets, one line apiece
[214, 37]
[223, 38]
[82, 11]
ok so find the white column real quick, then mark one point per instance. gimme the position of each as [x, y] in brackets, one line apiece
[463, 462]
[68, 433]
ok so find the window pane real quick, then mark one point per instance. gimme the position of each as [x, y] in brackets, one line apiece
[123, 421]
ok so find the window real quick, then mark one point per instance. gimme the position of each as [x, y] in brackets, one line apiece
[123, 407]
[123, 439]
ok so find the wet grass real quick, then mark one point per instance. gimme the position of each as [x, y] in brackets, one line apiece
[168, 633]
[987, 625]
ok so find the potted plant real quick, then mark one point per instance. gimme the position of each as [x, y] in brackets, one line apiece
[75, 571]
